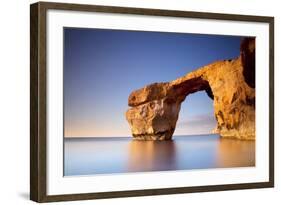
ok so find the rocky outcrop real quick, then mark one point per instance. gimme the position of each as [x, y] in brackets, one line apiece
[155, 108]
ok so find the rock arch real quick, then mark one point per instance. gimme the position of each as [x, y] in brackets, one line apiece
[155, 108]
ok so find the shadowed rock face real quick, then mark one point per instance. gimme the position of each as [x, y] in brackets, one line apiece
[247, 49]
[155, 108]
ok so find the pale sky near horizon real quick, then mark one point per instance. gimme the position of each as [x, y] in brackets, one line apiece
[102, 67]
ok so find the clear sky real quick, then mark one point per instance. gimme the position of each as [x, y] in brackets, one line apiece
[102, 67]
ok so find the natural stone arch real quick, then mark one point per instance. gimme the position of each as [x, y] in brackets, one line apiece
[155, 108]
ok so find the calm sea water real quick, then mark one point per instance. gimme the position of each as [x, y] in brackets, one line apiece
[87, 156]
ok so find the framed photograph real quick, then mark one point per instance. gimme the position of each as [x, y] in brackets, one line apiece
[134, 102]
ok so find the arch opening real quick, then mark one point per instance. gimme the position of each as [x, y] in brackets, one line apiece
[196, 115]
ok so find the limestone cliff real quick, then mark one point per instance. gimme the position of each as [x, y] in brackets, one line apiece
[230, 83]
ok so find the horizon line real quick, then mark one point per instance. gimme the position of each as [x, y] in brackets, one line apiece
[131, 136]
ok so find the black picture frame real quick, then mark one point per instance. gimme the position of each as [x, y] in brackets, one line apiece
[38, 101]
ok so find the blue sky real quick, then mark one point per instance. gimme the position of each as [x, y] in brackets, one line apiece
[102, 67]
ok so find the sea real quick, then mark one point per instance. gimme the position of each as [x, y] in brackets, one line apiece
[111, 155]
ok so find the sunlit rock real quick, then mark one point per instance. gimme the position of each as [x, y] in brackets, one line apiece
[230, 83]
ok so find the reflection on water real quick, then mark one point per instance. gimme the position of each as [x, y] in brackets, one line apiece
[86, 156]
[152, 156]
[242, 151]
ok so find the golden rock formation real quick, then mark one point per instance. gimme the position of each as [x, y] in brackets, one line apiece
[230, 83]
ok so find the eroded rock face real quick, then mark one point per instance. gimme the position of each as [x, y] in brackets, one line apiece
[155, 108]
